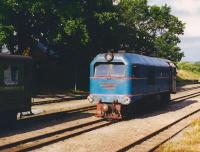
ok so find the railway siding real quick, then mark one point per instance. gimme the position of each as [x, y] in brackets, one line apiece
[153, 143]
[74, 104]
[108, 137]
[119, 135]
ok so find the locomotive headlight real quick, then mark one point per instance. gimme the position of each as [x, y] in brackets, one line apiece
[109, 56]
[127, 100]
[90, 99]
[105, 107]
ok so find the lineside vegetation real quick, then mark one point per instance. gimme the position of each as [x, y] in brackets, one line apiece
[188, 72]
[189, 142]
[63, 36]
[86, 25]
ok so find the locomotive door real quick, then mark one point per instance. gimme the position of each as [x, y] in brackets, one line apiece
[173, 80]
[172, 77]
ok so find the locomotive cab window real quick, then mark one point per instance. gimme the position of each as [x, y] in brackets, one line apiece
[109, 69]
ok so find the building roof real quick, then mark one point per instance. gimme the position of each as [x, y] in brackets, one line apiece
[14, 57]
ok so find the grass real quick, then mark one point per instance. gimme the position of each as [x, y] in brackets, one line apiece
[187, 77]
[189, 66]
[189, 142]
[188, 73]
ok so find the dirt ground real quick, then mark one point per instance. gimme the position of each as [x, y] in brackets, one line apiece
[74, 104]
[116, 136]
[109, 138]
[121, 134]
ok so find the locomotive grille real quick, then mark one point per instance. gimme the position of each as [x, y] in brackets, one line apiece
[109, 86]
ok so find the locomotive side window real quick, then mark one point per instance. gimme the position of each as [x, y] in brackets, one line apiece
[115, 70]
[136, 71]
[151, 75]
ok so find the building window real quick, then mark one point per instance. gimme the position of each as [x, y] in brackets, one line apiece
[11, 75]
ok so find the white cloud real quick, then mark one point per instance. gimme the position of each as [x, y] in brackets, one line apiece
[191, 15]
[189, 12]
[190, 6]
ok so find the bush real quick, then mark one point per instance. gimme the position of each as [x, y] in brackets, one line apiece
[194, 67]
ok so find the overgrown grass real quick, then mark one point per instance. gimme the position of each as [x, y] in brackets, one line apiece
[190, 142]
[193, 67]
[188, 73]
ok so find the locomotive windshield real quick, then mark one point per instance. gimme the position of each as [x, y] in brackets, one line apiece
[112, 70]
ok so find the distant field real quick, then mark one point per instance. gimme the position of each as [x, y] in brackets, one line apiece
[189, 142]
[188, 73]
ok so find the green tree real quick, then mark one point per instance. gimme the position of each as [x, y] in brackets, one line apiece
[86, 27]
[55, 23]
[150, 30]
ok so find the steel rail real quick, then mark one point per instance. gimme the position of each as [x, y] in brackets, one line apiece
[63, 134]
[167, 139]
[56, 136]
[58, 100]
[176, 100]
[84, 97]
[153, 134]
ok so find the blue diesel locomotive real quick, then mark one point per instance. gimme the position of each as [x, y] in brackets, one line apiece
[120, 80]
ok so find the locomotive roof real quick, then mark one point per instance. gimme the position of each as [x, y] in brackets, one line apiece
[14, 57]
[132, 58]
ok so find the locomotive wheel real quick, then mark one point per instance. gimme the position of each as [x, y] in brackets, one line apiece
[12, 117]
[165, 100]
[128, 112]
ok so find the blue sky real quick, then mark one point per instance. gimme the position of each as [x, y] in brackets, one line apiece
[189, 12]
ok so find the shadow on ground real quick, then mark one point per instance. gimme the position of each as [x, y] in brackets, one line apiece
[40, 122]
[149, 110]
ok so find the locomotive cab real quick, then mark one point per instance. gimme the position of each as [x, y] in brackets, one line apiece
[172, 77]
[109, 84]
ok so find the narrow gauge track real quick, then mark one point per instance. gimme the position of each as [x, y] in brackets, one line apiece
[54, 115]
[152, 135]
[60, 135]
[186, 89]
[64, 99]
[185, 97]
[47, 116]
[61, 99]
[92, 107]
[157, 132]
[53, 137]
